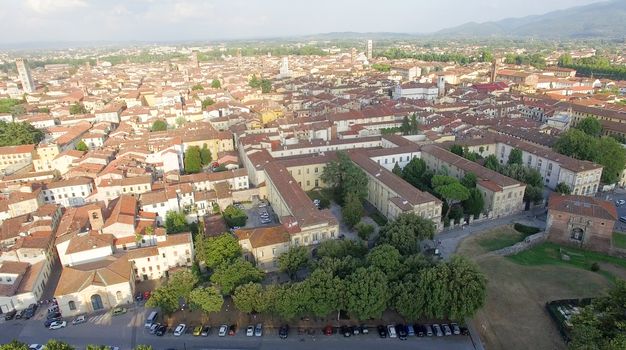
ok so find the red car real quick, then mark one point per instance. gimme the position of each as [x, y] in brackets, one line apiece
[146, 295]
[328, 330]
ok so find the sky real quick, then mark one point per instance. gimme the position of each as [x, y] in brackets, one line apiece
[181, 20]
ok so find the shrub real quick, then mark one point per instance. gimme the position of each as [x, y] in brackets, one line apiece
[595, 267]
[527, 230]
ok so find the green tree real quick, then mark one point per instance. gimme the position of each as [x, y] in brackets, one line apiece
[410, 297]
[457, 149]
[367, 293]
[82, 146]
[254, 82]
[235, 216]
[159, 125]
[266, 86]
[387, 259]
[466, 288]
[562, 188]
[352, 210]
[475, 203]
[397, 170]
[345, 177]
[325, 291]
[143, 347]
[612, 157]
[340, 267]
[469, 180]
[601, 325]
[450, 189]
[486, 55]
[207, 102]
[515, 156]
[405, 232]
[293, 260]
[15, 134]
[197, 87]
[78, 108]
[219, 250]
[491, 162]
[216, 84]
[406, 126]
[251, 297]
[54, 344]
[206, 299]
[341, 248]
[417, 174]
[193, 163]
[364, 230]
[565, 60]
[290, 300]
[175, 222]
[205, 155]
[14, 345]
[590, 126]
[230, 275]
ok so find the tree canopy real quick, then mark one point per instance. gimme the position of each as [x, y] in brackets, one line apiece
[218, 250]
[235, 216]
[193, 161]
[175, 222]
[15, 134]
[216, 84]
[229, 276]
[345, 177]
[168, 296]
[206, 299]
[515, 157]
[562, 188]
[251, 297]
[293, 260]
[590, 126]
[78, 108]
[205, 155]
[82, 146]
[367, 293]
[352, 210]
[159, 125]
[406, 231]
[207, 102]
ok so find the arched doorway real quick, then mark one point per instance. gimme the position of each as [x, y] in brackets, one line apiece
[96, 302]
[577, 234]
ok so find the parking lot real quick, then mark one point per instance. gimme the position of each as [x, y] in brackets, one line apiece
[259, 214]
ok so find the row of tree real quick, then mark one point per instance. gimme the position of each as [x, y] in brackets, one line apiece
[54, 344]
[396, 53]
[514, 168]
[345, 276]
[598, 66]
[264, 84]
[196, 158]
[584, 142]
[536, 60]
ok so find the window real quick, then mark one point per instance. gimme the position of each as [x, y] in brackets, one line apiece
[316, 170]
[72, 305]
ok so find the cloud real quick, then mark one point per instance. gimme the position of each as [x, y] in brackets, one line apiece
[47, 6]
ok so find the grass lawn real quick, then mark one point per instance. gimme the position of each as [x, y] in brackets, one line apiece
[549, 253]
[514, 315]
[498, 238]
[619, 240]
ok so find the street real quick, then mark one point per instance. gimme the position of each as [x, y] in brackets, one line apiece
[126, 331]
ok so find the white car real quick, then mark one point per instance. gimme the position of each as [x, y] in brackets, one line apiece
[258, 330]
[78, 320]
[180, 330]
[391, 329]
[58, 325]
[36, 347]
[250, 331]
[223, 330]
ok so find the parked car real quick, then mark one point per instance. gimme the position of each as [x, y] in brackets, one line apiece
[50, 321]
[455, 328]
[36, 347]
[429, 330]
[161, 330]
[620, 202]
[78, 320]
[401, 330]
[58, 325]
[464, 331]
[364, 329]
[250, 331]
[391, 329]
[205, 331]
[382, 331]
[154, 328]
[356, 330]
[53, 315]
[437, 330]
[197, 330]
[33, 306]
[346, 331]
[283, 332]
[420, 330]
[10, 315]
[119, 311]
[20, 314]
[446, 329]
[232, 330]
[180, 330]
[328, 330]
[223, 330]
[258, 330]
[28, 313]
[410, 331]
[53, 308]
[622, 218]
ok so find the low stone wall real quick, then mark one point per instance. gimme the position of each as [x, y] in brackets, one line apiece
[528, 242]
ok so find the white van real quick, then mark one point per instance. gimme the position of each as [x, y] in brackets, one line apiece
[151, 319]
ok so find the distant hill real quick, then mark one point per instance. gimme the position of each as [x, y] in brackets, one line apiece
[598, 20]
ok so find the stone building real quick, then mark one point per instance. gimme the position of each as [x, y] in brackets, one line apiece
[585, 222]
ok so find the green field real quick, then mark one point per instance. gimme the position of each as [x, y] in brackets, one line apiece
[551, 254]
[619, 240]
[505, 236]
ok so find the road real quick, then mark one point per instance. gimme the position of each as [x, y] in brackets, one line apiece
[127, 331]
